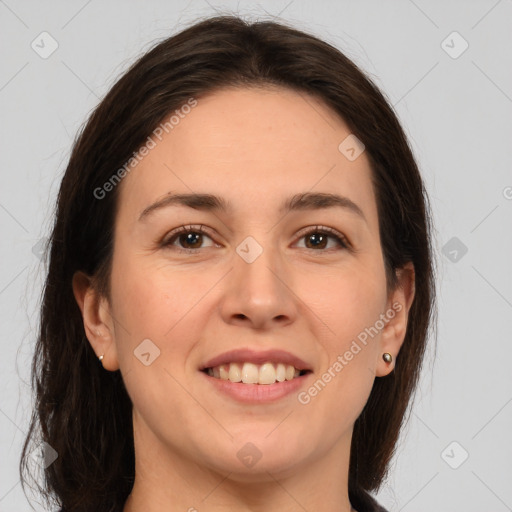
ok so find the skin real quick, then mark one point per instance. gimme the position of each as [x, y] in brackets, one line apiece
[255, 148]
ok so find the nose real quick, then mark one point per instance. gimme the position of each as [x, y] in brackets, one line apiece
[259, 292]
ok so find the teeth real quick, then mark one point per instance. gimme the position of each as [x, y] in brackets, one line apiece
[224, 372]
[267, 373]
[249, 373]
[235, 373]
[281, 372]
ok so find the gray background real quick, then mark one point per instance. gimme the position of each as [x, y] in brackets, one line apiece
[456, 110]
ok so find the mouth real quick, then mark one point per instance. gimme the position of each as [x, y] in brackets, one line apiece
[250, 373]
[256, 384]
[262, 367]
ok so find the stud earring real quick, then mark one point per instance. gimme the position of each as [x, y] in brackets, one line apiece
[387, 357]
[101, 358]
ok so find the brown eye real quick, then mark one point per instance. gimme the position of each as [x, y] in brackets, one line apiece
[187, 239]
[318, 238]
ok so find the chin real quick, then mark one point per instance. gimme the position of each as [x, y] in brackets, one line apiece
[255, 457]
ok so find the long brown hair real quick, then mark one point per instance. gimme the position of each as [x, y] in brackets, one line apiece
[82, 411]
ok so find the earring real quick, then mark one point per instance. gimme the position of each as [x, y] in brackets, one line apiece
[387, 357]
[101, 358]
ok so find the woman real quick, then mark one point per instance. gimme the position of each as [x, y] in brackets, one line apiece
[242, 238]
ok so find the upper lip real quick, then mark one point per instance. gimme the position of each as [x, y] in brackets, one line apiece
[256, 357]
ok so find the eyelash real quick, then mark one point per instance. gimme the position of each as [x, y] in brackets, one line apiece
[340, 239]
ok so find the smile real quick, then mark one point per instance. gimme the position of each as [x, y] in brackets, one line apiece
[249, 373]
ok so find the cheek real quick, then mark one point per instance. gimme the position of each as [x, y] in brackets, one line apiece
[349, 305]
[151, 303]
[166, 305]
[347, 301]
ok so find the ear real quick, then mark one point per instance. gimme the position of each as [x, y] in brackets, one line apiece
[97, 317]
[393, 334]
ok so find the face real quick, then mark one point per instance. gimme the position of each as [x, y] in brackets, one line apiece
[308, 280]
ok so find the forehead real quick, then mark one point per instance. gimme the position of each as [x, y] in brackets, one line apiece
[251, 146]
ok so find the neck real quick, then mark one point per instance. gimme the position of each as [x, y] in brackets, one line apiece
[168, 479]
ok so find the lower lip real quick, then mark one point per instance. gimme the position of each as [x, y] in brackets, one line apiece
[258, 393]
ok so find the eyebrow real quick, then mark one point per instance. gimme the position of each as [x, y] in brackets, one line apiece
[298, 202]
